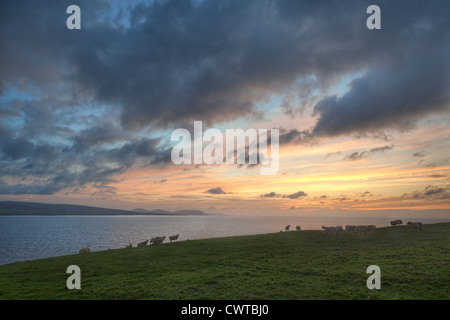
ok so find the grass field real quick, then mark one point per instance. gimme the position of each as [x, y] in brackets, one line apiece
[284, 265]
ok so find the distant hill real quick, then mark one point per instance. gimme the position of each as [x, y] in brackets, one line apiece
[165, 212]
[35, 208]
[157, 211]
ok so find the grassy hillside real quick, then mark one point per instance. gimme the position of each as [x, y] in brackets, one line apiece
[285, 265]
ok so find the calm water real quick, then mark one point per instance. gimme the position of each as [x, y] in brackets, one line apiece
[33, 237]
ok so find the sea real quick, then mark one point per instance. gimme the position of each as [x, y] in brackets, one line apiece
[30, 237]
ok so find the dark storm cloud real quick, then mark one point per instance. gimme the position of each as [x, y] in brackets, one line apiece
[295, 136]
[97, 135]
[46, 169]
[8, 113]
[391, 98]
[408, 80]
[178, 61]
[170, 62]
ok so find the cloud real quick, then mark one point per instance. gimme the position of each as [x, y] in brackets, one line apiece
[437, 176]
[295, 137]
[103, 133]
[366, 194]
[330, 154]
[171, 62]
[296, 195]
[270, 195]
[433, 190]
[404, 79]
[364, 154]
[356, 156]
[48, 169]
[395, 94]
[80, 107]
[429, 193]
[217, 190]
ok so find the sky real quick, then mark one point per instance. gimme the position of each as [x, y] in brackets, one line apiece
[86, 116]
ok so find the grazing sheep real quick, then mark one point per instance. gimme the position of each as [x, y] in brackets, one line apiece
[329, 229]
[143, 243]
[416, 225]
[85, 250]
[173, 238]
[160, 240]
[339, 229]
[350, 228]
[287, 227]
[298, 228]
[396, 222]
[157, 240]
[361, 229]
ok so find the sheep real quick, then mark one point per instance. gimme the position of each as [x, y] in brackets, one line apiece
[416, 225]
[85, 250]
[287, 227]
[339, 229]
[173, 238]
[157, 240]
[361, 229]
[129, 246]
[396, 222]
[350, 228]
[298, 228]
[143, 243]
[329, 229]
[160, 240]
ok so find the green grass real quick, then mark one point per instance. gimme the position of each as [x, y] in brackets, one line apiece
[285, 265]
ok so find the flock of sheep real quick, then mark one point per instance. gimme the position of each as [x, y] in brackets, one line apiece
[417, 226]
[155, 240]
[350, 229]
[338, 229]
[362, 229]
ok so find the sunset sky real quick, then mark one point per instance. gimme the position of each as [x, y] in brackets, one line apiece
[86, 116]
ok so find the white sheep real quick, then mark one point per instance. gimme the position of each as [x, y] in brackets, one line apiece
[85, 250]
[143, 243]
